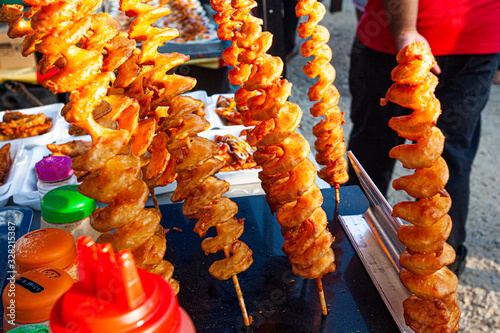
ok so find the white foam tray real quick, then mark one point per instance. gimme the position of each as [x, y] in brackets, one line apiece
[58, 125]
[217, 121]
[247, 176]
[10, 186]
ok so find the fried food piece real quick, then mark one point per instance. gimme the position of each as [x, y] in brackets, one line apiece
[423, 212]
[426, 239]
[119, 49]
[422, 154]
[81, 68]
[287, 174]
[211, 189]
[433, 308]
[5, 162]
[425, 316]
[415, 63]
[425, 182]
[300, 238]
[188, 180]
[160, 156]
[235, 152]
[135, 234]
[71, 148]
[431, 286]
[239, 261]
[143, 136]
[269, 102]
[114, 177]
[330, 142]
[283, 157]
[226, 109]
[275, 130]
[200, 150]
[291, 214]
[16, 125]
[101, 152]
[423, 264]
[123, 209]
[227, 234]
[220, 211]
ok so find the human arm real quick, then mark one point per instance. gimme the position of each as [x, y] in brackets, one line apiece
[402, 17]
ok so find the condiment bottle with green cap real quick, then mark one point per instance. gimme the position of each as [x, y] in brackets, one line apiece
[52, 172]
[66, 208]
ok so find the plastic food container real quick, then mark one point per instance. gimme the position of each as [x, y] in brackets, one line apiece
[48, 247]
[58, 123]
[113, 295]
[29, 300]
[53, 172]
[11, 182]
[66, 208]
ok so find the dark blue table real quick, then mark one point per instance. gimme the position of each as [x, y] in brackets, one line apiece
[277, 300]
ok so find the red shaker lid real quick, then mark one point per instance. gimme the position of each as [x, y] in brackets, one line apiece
[113, 295]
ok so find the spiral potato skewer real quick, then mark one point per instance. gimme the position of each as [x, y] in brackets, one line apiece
[230, 20]
[288, 175]
[193, 161]
[433, 307]
[330, 142]
[195, 164]
[189, 156]
[87, 71]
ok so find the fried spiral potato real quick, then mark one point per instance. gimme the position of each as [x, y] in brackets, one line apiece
[88, 48]
[330, 143]
[5, 162]
[288, 175]
[230, 18]
[196, 164]
[434, 306]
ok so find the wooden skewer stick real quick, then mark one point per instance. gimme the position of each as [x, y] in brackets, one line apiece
[241, 300]
[321, 296]
[337, 193]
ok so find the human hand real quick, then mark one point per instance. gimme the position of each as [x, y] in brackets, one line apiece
[405, 38]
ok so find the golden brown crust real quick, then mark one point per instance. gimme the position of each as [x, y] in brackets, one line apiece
[434, 307]
[330, 143]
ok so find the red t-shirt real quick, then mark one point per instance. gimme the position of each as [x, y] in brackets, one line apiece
[450, 26]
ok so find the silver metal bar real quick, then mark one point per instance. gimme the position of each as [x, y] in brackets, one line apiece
[381, 269]
[386, 224]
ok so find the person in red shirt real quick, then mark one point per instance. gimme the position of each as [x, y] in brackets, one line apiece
[464, 37]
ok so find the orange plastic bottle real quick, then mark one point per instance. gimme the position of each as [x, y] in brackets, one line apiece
[48, 247]
[31, 297]
[113, 295]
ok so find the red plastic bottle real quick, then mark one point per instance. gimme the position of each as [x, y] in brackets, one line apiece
[113, 295]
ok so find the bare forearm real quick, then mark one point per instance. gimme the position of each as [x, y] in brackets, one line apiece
[402, 15]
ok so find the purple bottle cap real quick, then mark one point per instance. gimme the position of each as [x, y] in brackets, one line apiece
[54, 168]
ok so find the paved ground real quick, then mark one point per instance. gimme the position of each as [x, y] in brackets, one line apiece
[479, 288]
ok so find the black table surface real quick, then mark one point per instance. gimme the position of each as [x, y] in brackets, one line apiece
[277, 300]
